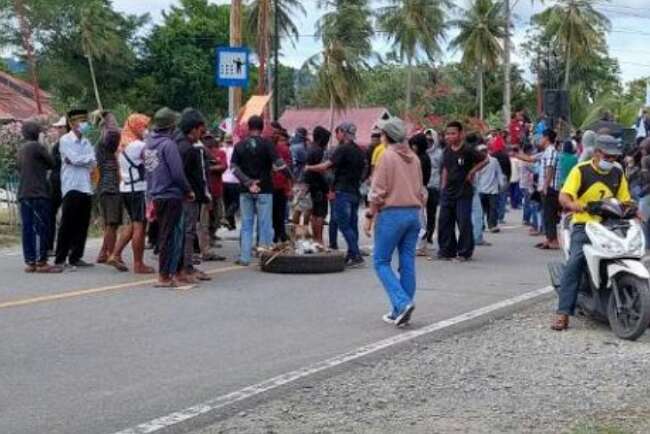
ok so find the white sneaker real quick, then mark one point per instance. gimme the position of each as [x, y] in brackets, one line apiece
[404, 317]
[388, 318]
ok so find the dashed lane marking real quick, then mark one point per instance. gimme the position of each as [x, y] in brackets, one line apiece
[83, 292]
[220, 402]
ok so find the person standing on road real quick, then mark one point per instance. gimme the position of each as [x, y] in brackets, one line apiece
[318, 186]
[78, 162]
[33, 162]
[230, 185]
[459, 167]
[218, 163]
[419, 145]
[191, 128]
[132, 192]
[253, 162]
[396, 199]
[108, 188]
[349, 164]
[59, 128]
[281, 188]
[489, 181]
[435, 152]
[168, 188]
[595, 180]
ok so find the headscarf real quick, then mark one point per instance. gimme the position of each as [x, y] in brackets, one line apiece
[134, 128]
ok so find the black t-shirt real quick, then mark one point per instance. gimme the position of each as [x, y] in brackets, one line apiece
[316, 181]
[349, 166]
[458, 165]
[255, 157]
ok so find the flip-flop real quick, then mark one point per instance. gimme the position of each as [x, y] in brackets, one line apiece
[170, 284]
[542, 246]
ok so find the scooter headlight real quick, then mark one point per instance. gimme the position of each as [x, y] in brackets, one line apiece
[606, 241]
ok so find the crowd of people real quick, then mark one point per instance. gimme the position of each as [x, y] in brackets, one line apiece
[178, 183]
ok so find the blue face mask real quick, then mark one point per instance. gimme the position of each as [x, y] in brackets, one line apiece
[605, 165]
[84, 128]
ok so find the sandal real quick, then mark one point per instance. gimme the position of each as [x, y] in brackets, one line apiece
[560, 323]
[117, 264]
[165, 284]
[49, 269]
[144, 269]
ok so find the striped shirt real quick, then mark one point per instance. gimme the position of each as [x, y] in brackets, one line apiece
[550, 160]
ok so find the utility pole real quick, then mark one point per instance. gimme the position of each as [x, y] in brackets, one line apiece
[235, 93]
[506, 67]
[276, 62]
[29, 49]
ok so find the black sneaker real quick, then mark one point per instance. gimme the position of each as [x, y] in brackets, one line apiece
[355, 262]
[404, 317]
[82, 264]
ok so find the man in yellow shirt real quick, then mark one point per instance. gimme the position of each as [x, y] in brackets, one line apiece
[592, 181]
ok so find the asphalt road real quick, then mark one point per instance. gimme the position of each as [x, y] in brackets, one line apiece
[91, 352]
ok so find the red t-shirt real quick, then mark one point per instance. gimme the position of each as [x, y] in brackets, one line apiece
[516, 129]
[216, 184]
[280, 180]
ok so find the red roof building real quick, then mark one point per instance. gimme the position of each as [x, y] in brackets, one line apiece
[365, 119]
[17, 102]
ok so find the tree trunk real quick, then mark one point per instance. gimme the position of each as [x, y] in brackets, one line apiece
[409, 87]
[506, 67]
[567, 68]
[262, 44]
[481, 113]
[235, 93]
[94, 79]
[331, 117]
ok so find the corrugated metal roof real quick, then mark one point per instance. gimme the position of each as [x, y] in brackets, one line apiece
[365, 120]
[17, 99]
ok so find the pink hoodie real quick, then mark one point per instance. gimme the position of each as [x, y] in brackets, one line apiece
[397, 179]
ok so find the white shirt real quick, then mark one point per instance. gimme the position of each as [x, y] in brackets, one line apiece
[516, 169]
[77, 162]
[229, 176]
[129, 176]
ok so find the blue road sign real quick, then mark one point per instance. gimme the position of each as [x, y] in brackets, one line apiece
[232, 66]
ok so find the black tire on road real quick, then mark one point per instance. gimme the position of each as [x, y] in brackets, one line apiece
[635, 297]
[316, 263]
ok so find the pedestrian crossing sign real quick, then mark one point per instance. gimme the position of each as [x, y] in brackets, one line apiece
[232, 66]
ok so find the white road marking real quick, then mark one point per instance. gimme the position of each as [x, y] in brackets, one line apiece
[275, 382]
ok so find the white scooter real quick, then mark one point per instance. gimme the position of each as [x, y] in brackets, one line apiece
[616, 284]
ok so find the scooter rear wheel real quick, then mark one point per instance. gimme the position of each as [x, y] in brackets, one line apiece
[633, 318]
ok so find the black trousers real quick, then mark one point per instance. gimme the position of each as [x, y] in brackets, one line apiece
[455, 212]
[490, 205]
[169, 214]
[73, 232]
[432, 209]
[279, 216]
[231, 201]
[551, 213]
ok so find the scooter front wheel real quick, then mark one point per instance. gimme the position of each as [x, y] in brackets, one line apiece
[630, 319]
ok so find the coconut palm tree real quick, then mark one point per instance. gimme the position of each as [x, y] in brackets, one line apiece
[577, 28]
[346, 33]
[481, 30]
[414, 27]
[98, 37]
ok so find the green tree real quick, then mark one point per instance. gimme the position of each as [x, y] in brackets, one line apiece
[481, 30]
[346, 33]
[414, 27]
[577, 28]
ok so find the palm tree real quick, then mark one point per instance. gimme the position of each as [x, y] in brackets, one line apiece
[346, 33]
[260, 22]
[414, 27]
[481, 30]
[99, 38]
[577, 28]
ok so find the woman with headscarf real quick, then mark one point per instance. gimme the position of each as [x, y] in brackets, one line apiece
[130, 155]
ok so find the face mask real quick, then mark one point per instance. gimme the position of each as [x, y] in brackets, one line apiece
[605, 165]
[84, 128]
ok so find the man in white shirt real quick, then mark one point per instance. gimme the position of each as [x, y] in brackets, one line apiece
[78, 162]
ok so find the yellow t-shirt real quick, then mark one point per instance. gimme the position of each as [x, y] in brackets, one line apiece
[587, 184]
[376, 154]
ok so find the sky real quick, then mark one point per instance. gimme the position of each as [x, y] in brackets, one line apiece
[629, 40]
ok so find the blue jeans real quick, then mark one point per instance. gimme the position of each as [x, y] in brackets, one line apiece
[35, 219]
[477, 218]
[515, 195]
[346, 209]
[333, 228]
[527, 207]
[397, 228]
[251, 205]
[501, 206]
[573, 271]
